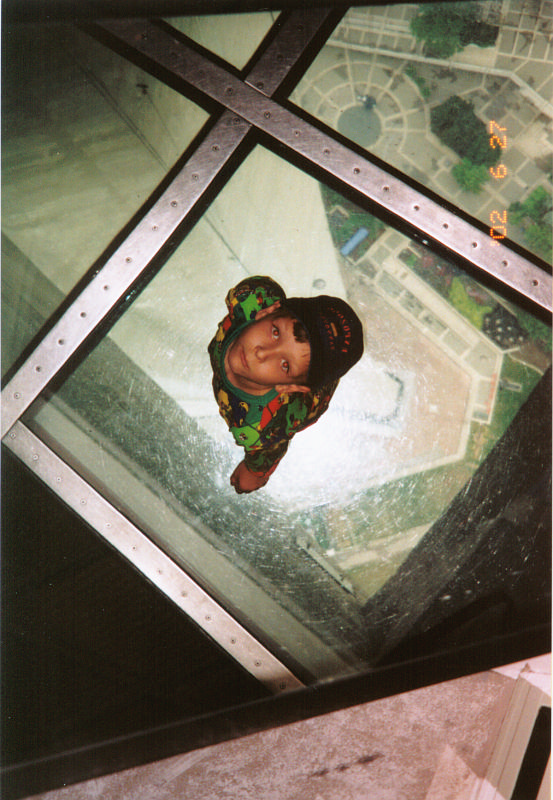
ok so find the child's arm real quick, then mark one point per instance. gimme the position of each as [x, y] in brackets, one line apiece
[245, 481]
[255, 470]
[262, 457]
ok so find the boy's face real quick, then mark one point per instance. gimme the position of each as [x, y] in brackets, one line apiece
[266, 355]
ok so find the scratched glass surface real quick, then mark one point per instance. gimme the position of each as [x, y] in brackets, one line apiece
[447, 363]
[463, 108]
[86, 137]
[233, 38]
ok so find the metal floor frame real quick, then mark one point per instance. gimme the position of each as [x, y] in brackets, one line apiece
[250, 107]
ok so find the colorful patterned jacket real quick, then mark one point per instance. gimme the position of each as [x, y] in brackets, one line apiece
[262, 424]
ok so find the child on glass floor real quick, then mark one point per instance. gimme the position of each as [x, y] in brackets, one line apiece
[276, 363]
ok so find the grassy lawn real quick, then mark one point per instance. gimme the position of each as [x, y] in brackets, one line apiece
[508, 402]
[342, 230]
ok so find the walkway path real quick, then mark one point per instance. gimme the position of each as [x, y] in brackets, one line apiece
[373, 53]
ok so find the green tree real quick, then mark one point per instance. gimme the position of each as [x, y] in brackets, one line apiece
[517, 213]
[456, 124]
[446, 28]
[470, 177]
[530, 216]
[539, 240]
[537, 204]
[439, 29]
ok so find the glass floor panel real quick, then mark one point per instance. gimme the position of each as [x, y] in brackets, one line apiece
[464, 109]
[86, 137]
[447, 364]
[233, 37]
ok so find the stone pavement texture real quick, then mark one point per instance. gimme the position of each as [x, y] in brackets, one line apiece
[408, 747]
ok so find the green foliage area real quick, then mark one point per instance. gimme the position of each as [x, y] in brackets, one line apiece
[536, 205]
[540, 240]
[446, 28]
[470, 309]
[538, 331]
[470, 177]
[509, 402]
[419, 80]
[409, 258]
[438, 274]
[357, 218]
[530, 215]
[458, 127]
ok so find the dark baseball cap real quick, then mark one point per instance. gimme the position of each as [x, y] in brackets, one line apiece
[335, 336]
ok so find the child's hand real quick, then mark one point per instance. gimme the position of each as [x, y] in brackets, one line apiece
[245, 481]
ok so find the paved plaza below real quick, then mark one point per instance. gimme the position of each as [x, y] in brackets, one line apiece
[373, 53]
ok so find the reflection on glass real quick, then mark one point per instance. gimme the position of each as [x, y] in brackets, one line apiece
[447, 363]
[458, 96]
[86, 137]
[233, 37]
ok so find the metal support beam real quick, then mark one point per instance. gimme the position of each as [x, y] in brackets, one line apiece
[320, 148]
[132, 257]
[112, 282]
[147, 557]
[97, 299]
[248, 105]
[50, 10]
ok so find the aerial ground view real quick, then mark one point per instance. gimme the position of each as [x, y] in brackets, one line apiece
[471, 119]
[448, 361]
[464, 109]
